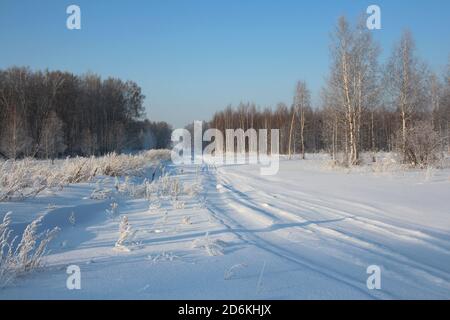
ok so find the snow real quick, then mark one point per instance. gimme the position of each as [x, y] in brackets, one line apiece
[308, 232]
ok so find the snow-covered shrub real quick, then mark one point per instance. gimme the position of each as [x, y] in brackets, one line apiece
[21, 179]
[27, 256]
[126, 234]
[100, 193]
[115, 165]
[175, 188]
[212, 247]
[338, 163]
[133, 190]
[422, 146]
[178, 205]
[6, 252]
[28, 177]
[186, 220]
[77, 170]
[387, 163]
[166, 186]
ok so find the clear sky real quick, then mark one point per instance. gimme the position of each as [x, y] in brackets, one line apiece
[193, 57]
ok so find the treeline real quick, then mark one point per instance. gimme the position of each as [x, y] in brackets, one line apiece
[365, 106]
[48, 114]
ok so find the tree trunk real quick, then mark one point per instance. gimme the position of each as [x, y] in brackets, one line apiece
[290, 132]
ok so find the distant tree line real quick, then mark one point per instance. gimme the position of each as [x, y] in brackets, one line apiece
[48, 114]
[365, 106]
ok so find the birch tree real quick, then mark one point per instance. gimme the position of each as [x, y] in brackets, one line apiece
[352, 81]
[405, 82]
[52, 137]
[302, 102]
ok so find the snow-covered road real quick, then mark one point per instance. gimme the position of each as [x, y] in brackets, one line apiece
[303, 233]
[335, 225]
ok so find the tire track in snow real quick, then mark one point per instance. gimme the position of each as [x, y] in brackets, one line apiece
[249, 237]
[417, 269]
[370, 224]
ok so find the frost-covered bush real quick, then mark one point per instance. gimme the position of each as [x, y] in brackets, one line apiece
[422, 146]
[23, 179]
[186, 220]
[126, 234]
[6, 252]
[212, 247]
[166, 186]
[28, 177]
[112, 164]
[386, 162]
[177, 204]
[133, 190]
[27, 255]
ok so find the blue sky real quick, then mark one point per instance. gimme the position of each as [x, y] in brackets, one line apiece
[193, 57]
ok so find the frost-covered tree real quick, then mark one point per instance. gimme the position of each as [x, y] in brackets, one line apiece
[406, 83]
[352, 85]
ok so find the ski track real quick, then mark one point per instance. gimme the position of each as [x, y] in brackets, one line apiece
[265, 208]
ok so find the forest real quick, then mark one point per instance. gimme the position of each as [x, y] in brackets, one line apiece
[400, 105]
[50, 114]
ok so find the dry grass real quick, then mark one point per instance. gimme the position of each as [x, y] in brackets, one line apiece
[28, 177]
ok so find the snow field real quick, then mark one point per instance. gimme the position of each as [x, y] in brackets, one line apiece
[207, 232]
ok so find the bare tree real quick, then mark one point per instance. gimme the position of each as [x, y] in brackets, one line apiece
[352, 84]
[52, 137]
[88, 143]
[406, 83]
[15, 140]
[302, 103]
[442, 115]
